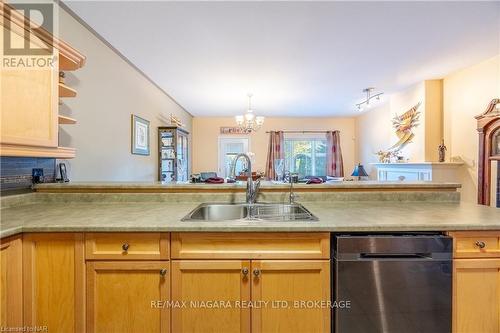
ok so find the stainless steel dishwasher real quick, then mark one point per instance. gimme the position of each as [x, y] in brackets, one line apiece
[392, 283]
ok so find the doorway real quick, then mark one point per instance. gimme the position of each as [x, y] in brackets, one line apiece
[229, 147]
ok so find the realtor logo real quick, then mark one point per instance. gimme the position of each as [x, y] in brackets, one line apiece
[39, 17]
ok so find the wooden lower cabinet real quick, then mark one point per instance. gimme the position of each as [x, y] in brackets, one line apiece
[54, 281]
[128, 296]
[64, 293]
[295, 295]
[263, 295]
[11, 282]
[476, 296]
[198, 283]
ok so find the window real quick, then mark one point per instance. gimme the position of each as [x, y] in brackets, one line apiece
[306, 156]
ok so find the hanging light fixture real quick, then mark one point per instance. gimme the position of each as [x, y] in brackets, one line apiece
[249, 122]
[369, 97]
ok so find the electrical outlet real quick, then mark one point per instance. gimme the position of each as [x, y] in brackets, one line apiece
[37, 175]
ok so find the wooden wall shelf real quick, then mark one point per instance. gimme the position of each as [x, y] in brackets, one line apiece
[70, 63]
[63, 120]
[69, 58]
[31, 151]
[65, 91]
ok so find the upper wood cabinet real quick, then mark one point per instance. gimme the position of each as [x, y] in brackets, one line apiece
[128, 296]
[200, 282]
[54, 281]
[30, 89]
[295, 294]
[29, 105]
[11, 282]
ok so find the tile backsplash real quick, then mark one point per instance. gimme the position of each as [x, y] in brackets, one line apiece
[15, 172]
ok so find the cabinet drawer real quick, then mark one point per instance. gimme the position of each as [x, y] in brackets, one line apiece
[250, 246]
[476, 244]
[127, 246]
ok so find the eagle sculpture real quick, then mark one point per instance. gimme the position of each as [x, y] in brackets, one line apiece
[403, 125]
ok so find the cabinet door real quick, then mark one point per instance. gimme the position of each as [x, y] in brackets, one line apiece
[197, 284]
[11, 282]
[476, 292]
[54, 281]
[29, 97]
[128, 296]
[293, 295]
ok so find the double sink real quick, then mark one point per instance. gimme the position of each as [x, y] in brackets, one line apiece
[250, 212]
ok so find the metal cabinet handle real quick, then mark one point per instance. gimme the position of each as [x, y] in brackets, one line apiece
[163, 271]
[244, 271]
[125, 247]
[481, 244]
[256, 272]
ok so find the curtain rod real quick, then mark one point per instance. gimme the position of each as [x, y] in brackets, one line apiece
[301, 131]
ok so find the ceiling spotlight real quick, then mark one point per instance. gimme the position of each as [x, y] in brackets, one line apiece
[369, 97]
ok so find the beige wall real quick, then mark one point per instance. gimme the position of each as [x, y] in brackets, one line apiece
[206, 134]
[375, 131]
[467, 94]
[399, 104]
[109, 91]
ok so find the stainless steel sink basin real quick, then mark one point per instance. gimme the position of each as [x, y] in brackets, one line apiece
[257, 212]
[282, 212]
[218, 212]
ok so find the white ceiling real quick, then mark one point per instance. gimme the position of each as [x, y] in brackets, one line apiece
[297, 58]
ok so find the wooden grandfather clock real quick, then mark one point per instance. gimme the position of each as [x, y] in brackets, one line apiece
[488, 126]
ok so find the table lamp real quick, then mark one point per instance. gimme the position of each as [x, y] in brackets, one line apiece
[359, 171]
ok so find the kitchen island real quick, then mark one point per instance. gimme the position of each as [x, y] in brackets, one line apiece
[339, 206]
[120, 245]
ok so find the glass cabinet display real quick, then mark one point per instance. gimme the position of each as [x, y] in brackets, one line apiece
[496, 143]
[173, 143]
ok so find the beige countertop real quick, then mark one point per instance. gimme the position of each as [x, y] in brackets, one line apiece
[123, 187]
[166, 217]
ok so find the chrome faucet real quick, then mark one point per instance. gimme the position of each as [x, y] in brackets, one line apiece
[252, 187]
[293, 196]
[293, 178]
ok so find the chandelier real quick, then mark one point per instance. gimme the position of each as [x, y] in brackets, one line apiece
[249, 122]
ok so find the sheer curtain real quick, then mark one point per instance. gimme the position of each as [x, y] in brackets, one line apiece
[276, 150]
[334, 162]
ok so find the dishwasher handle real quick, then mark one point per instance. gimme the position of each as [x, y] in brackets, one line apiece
[375, 256]
[392, 256]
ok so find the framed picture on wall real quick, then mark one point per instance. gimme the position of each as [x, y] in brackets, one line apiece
[140, 136]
